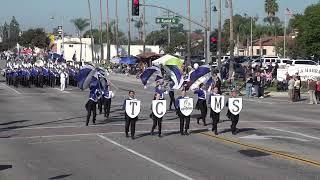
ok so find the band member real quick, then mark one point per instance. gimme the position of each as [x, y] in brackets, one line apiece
[184, 120]
[159, 89]
[107, 100]
[171, 95]
[91, 105]
[214, 116]
[62, 80]
[201, 103]
[130, 122]
[156, 120]
[234, 118]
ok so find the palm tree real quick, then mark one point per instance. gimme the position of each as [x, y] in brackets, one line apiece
[271, 7]
[81, 24]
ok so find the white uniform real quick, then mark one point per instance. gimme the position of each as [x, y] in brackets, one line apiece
[62, 81]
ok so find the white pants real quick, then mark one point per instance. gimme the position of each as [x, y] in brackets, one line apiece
[62, 84]
[312, 97]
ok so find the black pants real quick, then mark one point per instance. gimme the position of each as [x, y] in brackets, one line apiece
[100, 103]
[318, 95]
[234, 121]
[184, 122]
[130, 122]
[172, 100]
[107, 106]
[215, 120]
[91, 107]
[156, 121]
[202, 106]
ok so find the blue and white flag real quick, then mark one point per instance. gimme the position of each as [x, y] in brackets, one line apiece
[175, 74]
[85, 76]
[148, 73]
[199, 76]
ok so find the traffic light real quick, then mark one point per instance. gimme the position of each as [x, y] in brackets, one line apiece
[135, 7]
[213, 44]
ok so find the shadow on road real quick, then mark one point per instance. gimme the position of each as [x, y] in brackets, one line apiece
[4, 167]
[61, 176]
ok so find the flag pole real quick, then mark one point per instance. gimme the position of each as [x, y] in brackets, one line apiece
[285, 34]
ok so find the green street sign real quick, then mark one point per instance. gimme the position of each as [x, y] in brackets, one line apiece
[167, 20]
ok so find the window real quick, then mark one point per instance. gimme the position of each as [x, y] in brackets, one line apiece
[264, 52]
[258, 51]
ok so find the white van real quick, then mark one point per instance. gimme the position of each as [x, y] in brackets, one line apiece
[224, 58]
[266, 60]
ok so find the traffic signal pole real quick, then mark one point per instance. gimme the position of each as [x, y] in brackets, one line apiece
[208, 15]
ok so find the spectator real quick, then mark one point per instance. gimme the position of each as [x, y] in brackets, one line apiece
[311, 90]
[291, 89]
[318, 90]
[297, 86]
[256, 84]
[249, 84]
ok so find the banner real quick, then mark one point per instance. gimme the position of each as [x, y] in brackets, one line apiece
[186, 106]
[235, 105]
[217, 103]
[305, 72]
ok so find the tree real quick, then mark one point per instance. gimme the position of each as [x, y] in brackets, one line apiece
[80, 24]
[5, 32]
[271, 7]
[14, 30]
[35, 38]
[308, 31]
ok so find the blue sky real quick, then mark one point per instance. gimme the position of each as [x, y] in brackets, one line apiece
[35, 13]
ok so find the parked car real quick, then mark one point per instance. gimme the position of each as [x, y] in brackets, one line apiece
[301, 62]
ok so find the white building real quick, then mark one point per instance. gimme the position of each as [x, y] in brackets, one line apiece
[73, 46]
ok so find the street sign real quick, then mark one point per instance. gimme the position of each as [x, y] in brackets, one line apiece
[167, 20]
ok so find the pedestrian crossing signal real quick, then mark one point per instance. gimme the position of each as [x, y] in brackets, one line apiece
[135, 7]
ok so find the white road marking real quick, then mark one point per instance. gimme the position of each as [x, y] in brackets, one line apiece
[122, 124]
[146, 158]
[114, 85]
[92, 134]
[12, 89]
[61, 91]
[296, 133]
[49, 142]
[257, 137]
[257, 101]
[308, 121]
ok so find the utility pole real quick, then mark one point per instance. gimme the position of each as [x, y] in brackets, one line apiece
[284, 37]
[219, 35]
[251, 37]
[144, 27]
[117, 28]
[208, 56]
[129, 28]
[169, 31]
[231, 30]
[62, 36]
[189, 35]
[92, 43]
[205, 42]
[231, 69]
[108, 32]
[101, 43]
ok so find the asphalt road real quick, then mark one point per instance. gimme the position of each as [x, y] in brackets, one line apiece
[42, 136]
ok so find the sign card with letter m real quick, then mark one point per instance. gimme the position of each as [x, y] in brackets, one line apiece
[133, 108]
[217, 103]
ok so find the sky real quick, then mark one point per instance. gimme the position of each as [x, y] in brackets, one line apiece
[37, 13]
